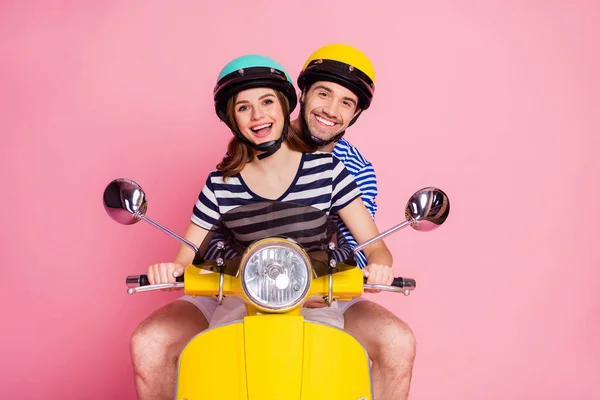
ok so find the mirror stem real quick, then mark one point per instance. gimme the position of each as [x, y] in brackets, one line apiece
[380, 236]
[165, 230]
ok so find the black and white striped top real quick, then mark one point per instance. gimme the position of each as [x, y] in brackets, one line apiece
[322, 181]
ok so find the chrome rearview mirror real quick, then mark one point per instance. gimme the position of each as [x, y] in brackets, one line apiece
[126, 203]
[425, 211]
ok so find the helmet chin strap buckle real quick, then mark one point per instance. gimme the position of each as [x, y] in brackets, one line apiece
[268, 148]
[272, 148]
[320, 142]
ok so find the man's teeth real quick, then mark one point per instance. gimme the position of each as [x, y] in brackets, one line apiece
[258, 128]
[324, 121]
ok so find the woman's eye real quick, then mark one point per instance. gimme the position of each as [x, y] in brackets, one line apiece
[268, 101]
[243, 108]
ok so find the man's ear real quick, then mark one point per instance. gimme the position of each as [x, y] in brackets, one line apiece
[302, 97]
[358, 110]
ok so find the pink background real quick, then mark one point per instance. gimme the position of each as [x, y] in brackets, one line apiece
[494, 102]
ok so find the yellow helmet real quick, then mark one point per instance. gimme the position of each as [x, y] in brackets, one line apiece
[344, 65]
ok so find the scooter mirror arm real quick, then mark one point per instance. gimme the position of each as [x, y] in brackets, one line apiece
[168, 231]
[361, 246]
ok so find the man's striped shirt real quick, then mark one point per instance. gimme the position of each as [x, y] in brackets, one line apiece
[364, 176]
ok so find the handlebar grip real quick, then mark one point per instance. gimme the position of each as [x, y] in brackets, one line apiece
[402, 282]
[142, 280]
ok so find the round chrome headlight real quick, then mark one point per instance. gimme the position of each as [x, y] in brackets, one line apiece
[275, 274]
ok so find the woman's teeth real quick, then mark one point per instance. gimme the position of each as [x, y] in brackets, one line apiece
[258, 128]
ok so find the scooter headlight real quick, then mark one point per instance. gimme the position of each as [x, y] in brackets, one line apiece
[275, 274]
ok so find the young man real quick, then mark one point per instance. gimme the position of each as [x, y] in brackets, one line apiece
[337, 84]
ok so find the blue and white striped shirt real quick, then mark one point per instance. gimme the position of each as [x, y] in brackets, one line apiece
[364, 176]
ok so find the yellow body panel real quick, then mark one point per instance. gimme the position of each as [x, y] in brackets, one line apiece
[274, 352]
[199, 282]
[274, 357]
[211, 366]
[336, 365]
[346, 285]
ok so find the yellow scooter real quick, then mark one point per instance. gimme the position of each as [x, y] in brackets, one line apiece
[274, 256]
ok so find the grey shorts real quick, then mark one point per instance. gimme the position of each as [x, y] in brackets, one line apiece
[233, 309]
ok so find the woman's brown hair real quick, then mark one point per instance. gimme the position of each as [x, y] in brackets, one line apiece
[239, 153]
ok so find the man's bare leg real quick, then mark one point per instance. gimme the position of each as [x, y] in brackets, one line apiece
[391, 346]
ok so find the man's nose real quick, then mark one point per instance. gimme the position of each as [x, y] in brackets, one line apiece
[331, 109]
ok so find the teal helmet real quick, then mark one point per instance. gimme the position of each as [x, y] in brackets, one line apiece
[249, 72]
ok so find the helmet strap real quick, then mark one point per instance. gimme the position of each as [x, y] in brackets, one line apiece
[355, 118]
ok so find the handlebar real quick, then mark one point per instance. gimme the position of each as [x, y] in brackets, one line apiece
[140, 283]
[142, 280]
[400, 285]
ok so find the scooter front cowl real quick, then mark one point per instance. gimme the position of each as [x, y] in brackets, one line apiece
[274, 357]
